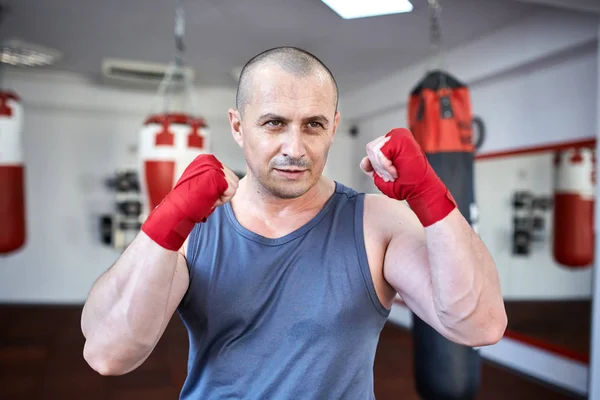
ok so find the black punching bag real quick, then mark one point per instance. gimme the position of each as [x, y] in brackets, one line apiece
[440, 118]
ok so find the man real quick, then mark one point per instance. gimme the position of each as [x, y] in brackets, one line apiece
[285, 278]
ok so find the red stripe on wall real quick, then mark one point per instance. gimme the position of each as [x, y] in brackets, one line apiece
[535, 342]
[553, 348]
[589, 142]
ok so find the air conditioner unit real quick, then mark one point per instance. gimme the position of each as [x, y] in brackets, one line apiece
[120, 71]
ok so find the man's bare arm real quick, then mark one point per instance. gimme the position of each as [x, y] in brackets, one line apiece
[445, 275]
[434, 260]
[131, 304]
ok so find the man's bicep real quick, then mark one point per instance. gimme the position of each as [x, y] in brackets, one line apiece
[406, 269]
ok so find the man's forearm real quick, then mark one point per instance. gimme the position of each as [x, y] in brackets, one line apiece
[465, 281]
[125, 311]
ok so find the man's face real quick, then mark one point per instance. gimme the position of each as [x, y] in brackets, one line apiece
[287, 129]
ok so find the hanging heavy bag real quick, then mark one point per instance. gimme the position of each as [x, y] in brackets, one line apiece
[440, 118]
[574, 201]
[12, 174]
[168, 143]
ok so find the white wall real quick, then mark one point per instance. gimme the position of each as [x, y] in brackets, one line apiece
[340, 162]
[76, 134]
[549, 100]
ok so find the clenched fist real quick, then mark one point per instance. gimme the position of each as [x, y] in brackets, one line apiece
[204, 185]
[400, 169]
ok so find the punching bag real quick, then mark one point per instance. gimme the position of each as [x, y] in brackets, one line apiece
[168, 143]
[12, 174]
[574, 188]
[440, 118]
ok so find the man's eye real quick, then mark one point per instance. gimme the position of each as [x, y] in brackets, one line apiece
[315, 125]
[274, 123]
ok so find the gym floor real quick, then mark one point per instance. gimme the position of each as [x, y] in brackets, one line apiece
[40, 357]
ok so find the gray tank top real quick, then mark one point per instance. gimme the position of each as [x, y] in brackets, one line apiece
[295, 317]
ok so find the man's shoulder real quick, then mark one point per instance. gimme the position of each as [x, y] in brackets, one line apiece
[387, 215]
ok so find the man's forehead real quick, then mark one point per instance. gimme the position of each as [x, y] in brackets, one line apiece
[278, 86]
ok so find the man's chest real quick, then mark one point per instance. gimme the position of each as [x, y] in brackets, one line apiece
[309, 281]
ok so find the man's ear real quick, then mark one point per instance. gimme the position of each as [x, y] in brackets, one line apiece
[236, 126]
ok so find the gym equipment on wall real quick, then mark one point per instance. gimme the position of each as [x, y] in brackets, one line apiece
[171, 138]
[529, 221]
[441, 120]
[120, 227]
[574, 197]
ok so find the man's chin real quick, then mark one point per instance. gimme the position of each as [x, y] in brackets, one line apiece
[289, 189]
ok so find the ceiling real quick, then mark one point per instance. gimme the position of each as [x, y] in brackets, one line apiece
[224, 34]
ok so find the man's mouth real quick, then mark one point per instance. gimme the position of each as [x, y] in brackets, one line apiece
[290, 172]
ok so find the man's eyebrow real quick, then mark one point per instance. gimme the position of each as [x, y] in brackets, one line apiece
[270, 116]
[318, 118]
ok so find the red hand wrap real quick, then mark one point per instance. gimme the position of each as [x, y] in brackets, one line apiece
[190, 201]
[417, 182]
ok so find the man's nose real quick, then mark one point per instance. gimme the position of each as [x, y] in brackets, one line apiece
[293, 145]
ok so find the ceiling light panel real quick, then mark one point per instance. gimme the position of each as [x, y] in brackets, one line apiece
[350, 9]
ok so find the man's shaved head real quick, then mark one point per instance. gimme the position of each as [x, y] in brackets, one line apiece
[291, 59]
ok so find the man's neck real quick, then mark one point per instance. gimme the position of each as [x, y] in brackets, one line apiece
[257, 200]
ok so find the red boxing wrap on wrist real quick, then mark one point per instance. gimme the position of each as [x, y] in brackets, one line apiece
[417, 182]
[190, 201]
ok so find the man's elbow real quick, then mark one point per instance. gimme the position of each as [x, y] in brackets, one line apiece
[490, 331]
[101, 362]
[478, 329]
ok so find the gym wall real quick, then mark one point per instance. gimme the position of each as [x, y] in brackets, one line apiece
[340, 166]
[549, 101]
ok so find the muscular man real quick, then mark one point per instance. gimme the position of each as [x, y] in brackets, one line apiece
[286, 277]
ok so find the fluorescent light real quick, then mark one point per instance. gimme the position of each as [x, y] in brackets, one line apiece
[19, 53]
[349, 9]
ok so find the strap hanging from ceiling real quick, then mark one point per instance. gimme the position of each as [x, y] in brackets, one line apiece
[179, 33]
[176, 75]
[435, 33]
[4, 11]
[437, 60]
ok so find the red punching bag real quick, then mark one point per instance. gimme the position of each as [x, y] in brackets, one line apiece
[168, 143]
[574, 193]
[12, 174]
